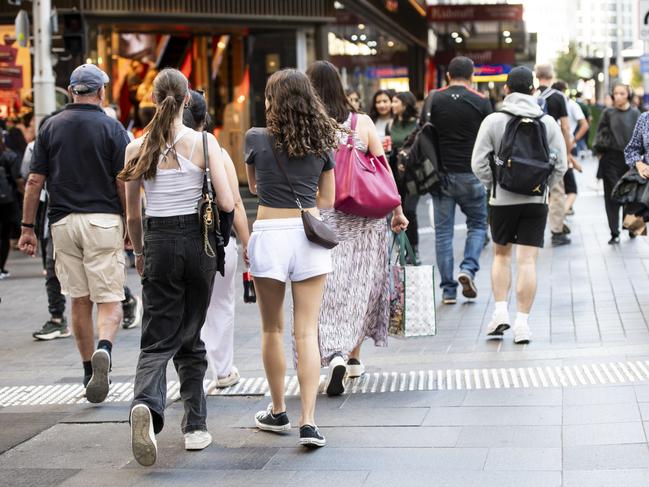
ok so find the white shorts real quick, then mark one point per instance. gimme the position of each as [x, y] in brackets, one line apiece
[278, 249]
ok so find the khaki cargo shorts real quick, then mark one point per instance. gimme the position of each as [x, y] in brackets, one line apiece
[89, 256]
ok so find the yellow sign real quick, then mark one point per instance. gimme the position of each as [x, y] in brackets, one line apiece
[496, 78]
[613, 70]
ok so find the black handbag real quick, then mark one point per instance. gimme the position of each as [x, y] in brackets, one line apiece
[213, 222]
[316, 230]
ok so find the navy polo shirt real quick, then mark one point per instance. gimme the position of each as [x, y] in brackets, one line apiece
[80, 150]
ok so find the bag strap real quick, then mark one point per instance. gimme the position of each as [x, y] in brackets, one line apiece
[208, 189]
[281, 166]
[405, 250]
[424, 118]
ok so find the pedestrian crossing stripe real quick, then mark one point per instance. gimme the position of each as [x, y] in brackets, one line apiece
[377, 382]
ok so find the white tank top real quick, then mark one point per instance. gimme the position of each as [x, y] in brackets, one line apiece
[175, 191]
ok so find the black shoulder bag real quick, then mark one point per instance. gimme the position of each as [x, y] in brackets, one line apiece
[212, 221]
[316, 230]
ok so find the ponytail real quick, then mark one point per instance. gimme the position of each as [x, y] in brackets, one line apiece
[169, 89]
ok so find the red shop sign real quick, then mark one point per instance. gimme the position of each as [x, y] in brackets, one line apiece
[464, 13]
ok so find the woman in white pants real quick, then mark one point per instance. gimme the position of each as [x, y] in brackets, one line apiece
[218, 330]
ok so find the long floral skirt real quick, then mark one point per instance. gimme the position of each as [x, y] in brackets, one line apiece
[356, 295]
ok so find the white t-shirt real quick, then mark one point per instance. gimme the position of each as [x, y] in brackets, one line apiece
[575, 114]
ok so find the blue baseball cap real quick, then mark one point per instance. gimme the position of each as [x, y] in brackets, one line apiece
[87, 79]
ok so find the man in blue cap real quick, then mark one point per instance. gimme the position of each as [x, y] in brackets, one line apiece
[79, 152]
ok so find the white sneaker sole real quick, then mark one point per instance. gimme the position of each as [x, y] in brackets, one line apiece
[53, 335]
[143, 443]
[355, 371]
[311, 442]
[334, 385]
[272, 428]
[97, 388]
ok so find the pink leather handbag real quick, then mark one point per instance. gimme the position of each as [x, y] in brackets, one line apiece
[364, 183]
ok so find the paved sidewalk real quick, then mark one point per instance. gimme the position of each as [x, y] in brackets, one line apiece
[569, 409]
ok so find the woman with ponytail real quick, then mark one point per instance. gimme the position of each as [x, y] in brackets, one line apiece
[177, 274]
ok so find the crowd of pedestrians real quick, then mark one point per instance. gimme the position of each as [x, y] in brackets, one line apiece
[511, 170]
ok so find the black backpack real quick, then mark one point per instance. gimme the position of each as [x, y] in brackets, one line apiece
[523, 163]
[418, 159]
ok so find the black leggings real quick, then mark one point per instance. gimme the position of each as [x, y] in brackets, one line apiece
[7, 211]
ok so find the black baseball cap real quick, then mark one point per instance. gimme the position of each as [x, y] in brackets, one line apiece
[521, 80]
[87, 79]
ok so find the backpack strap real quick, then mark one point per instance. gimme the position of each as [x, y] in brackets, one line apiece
[427, 108]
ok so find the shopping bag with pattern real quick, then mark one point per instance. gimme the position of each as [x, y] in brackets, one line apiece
[412, 293]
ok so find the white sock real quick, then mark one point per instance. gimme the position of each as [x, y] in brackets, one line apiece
[521, 318]
[501, 308]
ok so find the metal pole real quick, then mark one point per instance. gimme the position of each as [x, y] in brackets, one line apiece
[619, 61]
[43, 82]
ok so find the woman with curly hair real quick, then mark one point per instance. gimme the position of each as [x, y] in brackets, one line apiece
[300, 137]
[356, 298]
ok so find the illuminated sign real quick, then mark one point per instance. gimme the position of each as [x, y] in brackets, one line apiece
[491, 69]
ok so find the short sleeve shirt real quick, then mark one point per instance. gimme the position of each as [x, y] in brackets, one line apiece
[575, 114]
[556, 104]
[80, 151]
[273, 189]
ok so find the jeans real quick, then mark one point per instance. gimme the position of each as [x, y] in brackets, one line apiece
[176, 288]
[465, 190]
[55, 300]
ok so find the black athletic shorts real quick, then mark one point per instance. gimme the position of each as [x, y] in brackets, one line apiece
[519, 224]
[570, 182]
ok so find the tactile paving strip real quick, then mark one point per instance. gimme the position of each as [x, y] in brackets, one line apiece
[414, 380]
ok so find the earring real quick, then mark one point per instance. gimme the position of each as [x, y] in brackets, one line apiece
[186, 105]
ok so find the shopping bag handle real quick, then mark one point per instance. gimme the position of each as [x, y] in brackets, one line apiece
[405, 250]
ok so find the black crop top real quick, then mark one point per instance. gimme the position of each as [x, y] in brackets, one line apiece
[272, 188]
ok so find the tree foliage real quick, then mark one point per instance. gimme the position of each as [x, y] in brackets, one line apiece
[565, 67]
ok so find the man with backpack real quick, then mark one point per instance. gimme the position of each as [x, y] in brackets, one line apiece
[519, 154]
[553, 103]
[456, 113]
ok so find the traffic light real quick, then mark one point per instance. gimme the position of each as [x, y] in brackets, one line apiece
[74, 33]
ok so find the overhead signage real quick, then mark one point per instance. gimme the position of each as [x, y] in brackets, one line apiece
[468, 13]
[491, 69]
[643, 18]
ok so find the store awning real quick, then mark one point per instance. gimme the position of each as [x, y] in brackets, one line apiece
[406, 23]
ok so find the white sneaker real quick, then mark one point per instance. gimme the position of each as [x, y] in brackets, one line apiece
[143, 443]
[522, 334]
[232, 378]
[197, 440]
[498, 324]
[355, 368]
[99, 384]
[334, 382]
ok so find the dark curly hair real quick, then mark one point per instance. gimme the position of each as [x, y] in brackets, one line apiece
[296, 117]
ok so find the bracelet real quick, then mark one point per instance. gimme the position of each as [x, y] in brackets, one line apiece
[138, 255]
[26, 225]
